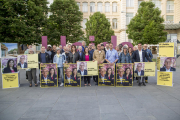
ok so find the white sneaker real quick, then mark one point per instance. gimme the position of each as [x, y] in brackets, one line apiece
[62, 84]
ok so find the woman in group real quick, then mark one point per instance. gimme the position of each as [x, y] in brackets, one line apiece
[130, 50]
[124, 57]
[110, 76]
[86, 56]
[75, 77]
[128, 77]
[73, 55]
[53, 77]
[10, 67]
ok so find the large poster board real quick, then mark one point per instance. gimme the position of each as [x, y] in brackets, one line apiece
[71, 77]
[167, 64]
[10, 80]
[8, 50]
[48, 75]
[106, 75]
[9, 65]
[165, 78]
[166, 49]
[124, 75]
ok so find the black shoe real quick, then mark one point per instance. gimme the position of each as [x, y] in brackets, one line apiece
[96, 84]
[139, 84]
[30, 85]
[36, 85]
[144, 84]
[146, 81]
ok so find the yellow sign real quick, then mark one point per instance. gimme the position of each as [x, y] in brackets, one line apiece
[166, 49]
[33, 61]
[158, 63]
[10, 80]
[165, 78]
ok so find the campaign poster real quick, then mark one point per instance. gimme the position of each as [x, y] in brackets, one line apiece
[158, 63]
[71, 76]
[124, 75]
[166, 49]
[165, 78]
[167, 64]
[9, 65]
[48, 75]
[10, 80]
[87, 68]
[106, 75]
[8, 50]
[139, 69]
[27, 61]
[149, 69]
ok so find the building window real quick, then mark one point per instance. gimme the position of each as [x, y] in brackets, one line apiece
[85, 7]
[78, 3]
[108, 19]
[170, 7]
[129, 16]
[157, 3]
[84, 23]
[114, 7]
[139, 2]
[129, 3]
[38, 48]
[107, 7]
[114, 23]
[99, 7]
[92, 7]
[170, 18]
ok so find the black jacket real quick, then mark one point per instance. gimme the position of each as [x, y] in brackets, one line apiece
[164, 69]
[83, 57]
[70, 57]
[136, 57]
[25, 64]
[8, 70]
[47, 58]
[52, 56]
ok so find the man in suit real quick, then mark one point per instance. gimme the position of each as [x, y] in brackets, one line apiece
[120, 76]
[68, 77]
[139, 56]
[45, 79]
[103, 77]
[22, 64]
[80, 51]
[167, 65]
[139, 72]
[81, 70]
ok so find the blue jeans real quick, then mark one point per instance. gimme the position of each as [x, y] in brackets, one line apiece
[60, 73]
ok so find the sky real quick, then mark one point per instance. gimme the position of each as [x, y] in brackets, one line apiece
[10, 46]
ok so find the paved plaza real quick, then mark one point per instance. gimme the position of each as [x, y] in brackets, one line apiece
[91, 103]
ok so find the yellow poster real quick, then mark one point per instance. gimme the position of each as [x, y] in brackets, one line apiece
[166, 49]
[165, 78]
[10, 80]
[87, 68]
[32, 61]
[158, 63]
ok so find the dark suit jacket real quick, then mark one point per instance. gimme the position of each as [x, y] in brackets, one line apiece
[85, 72]
[164, 69]
[47, 57]
[53, 79]
[25, 64]
[8, 70]
[106, 80]
[48, 84]
[119, 83]
[77, 80]
[83, 57]
[70, 57]
[136, 57]
[72, 84]
[110, 79]
[142, 72]
[128, 79]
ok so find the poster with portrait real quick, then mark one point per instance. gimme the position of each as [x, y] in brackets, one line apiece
[87, 68]
[10, 80]
[71, 76]
[124, 75]
[48, 75]
[27, 61]
[166, 49]
[165, 78]
[167, 64]
[8, 50]
[9, 65]
[106, 75]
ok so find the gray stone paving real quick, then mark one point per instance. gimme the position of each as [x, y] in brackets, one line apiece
[91, 103]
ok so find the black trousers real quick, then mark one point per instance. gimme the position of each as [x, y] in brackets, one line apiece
[146, 78]
[86, 79]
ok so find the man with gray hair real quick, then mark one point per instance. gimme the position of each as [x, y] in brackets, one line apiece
[83, 45]
[80, 51]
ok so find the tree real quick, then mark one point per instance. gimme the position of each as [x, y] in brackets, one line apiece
[146, 26]
[65, 20]
[21, 20]
[98, 26]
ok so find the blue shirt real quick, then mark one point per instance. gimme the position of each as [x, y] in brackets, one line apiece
[148, 51]
[91, 52]
[43, 57]
[83, 48]
[111, 55]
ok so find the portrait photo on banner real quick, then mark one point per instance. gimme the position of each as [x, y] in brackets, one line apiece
[167, 64]
[22, 61]
[48, 75]
[139, 69]
[124, 75]
[9, 65]
[106, 75]
[71, 76]
[82, 68]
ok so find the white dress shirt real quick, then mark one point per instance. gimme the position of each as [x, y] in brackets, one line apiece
[120, 79]
[140, 56]
[168, 70]
[139, 73]
[45, 79]
[102, 78]
[82, 72]
[69, 79]
[22, 65]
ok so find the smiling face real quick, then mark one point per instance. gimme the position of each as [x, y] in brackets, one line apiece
[86, 50]
[75, 71]
[22, 58]
[128, 71]
[45, 72]
[52, 71]
[111, 46]
[109, 71]
[168, 63]
[139, 46]
[68, 72]
[102, 72]
[139, 66]
[99, 47]
[121, 72]
[81, 66]
[11, 63]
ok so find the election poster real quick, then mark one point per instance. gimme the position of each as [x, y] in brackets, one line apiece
[48, 75]
[166, 49]
[9, 65]
[71, 76]
[106, 75]
[8, 50]
[27, 61]
[124, 75]
[165, 78]
[10, 80]
[144, 69]
[167, 64]
[87, 68]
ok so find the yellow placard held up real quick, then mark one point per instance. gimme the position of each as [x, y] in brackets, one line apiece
[32, 61]
[165, 78]
[166, 49]
[149, 69]
[158, 63]
[10, 80]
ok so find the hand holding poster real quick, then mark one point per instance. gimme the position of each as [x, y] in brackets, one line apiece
[167, 64]
[166, 49]
[10, 80]
[165, 78]
[9, 65]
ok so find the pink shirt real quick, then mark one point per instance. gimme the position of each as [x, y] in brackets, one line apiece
[86, 57]
[12, 71]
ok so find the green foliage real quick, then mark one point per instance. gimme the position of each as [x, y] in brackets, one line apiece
[64, 21]
[21, 20]
[11, 51]
[98, 26]
[146, 26]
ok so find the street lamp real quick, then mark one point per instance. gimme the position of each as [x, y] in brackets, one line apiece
[125, 24]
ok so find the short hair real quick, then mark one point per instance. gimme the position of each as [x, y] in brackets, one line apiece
[168, 58]
[31, 49]
[45, 69]
[43, 46]
[120, 69]
[58, 49]
[139, 64]
[110, 43]
[140, 43]
[102, 69]
[68, 69]
[22, 56]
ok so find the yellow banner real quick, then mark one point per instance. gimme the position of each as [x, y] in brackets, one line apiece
[165, 78]
[158, 63]
[33, 61]
[166, 49]
[10, 80]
